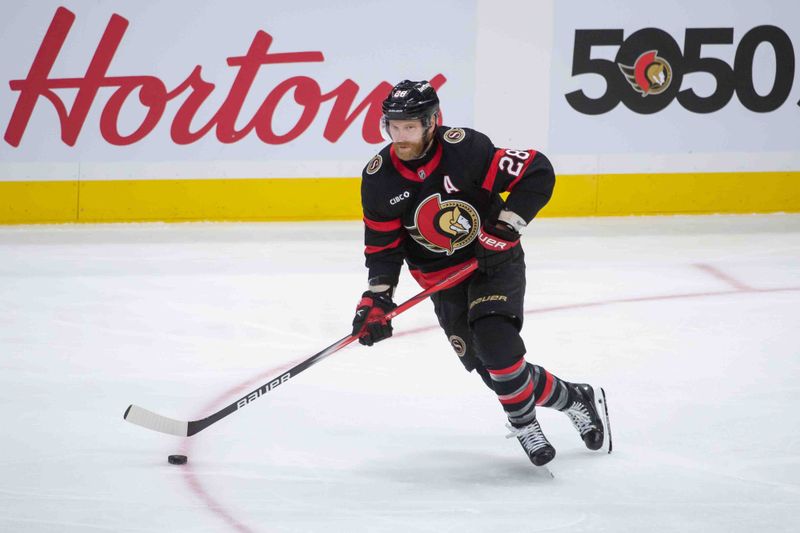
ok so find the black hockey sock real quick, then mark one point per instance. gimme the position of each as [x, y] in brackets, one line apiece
[549, 390]
[514, 388]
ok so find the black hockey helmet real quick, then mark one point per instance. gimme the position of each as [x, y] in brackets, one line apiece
[411, 100]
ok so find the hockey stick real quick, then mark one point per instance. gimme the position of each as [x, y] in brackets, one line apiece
[163, 424]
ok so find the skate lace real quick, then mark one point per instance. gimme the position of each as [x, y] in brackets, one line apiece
[580, 418]
[531, 436]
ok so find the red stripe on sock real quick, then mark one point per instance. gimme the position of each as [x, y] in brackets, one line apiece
[521, 397]
[509, 369]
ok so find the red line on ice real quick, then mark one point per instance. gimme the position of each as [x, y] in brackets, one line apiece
[190, 476]
[722, 276]
[213, 505]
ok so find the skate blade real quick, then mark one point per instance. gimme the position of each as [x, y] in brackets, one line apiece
[547, 471]
[602, 407]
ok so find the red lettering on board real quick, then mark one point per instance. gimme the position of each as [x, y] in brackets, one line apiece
[153, 95]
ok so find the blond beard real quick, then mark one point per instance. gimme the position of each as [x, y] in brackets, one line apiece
[412, 151]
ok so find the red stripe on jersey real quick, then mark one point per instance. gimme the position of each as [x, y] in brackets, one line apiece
[548, 386]
[522, 172]
[509, 369]
[427, 169]
[488, 181]
[389, 225]
[376, 249]
[521, 397]
[427, 280]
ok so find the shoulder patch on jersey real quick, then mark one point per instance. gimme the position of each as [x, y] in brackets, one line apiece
[374, 164]
[454, 135]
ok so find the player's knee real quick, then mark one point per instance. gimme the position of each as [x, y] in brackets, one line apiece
[465, 350]
[498, 340]
[485, 376]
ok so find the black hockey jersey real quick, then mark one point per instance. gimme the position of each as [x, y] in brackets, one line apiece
[428, 212]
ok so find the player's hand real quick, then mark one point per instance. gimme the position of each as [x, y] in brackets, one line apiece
[497, 244]
[370, 322]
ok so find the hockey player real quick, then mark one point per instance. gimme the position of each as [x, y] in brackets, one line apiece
[432, 198]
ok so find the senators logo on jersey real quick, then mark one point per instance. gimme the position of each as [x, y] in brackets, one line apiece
[454, 135]
[444, 226]
[374, 164]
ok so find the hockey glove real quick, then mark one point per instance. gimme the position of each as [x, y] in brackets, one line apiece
[369, 323]
[498, 243]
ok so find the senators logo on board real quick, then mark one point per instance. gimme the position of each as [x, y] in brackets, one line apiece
[657, 70]
[650, 74]
[444, 226]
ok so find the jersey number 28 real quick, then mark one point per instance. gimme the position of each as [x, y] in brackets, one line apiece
[514, 160]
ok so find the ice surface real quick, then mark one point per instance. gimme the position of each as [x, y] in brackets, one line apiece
[690, 323]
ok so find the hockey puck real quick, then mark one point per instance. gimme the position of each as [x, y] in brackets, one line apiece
[177, 459]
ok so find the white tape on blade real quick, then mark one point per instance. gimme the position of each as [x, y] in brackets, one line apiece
[156, 422]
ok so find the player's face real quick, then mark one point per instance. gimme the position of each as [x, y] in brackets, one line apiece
[409, 138]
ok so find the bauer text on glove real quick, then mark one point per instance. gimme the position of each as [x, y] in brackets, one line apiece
[497, 244]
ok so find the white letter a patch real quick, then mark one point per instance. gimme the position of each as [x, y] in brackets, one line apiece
[448, 185]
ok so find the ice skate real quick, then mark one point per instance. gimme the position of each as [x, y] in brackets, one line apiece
[589, 414]
[533, 441]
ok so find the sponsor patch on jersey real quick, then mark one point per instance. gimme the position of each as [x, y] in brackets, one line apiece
[444, 226]
[454, 135]
[405, 195]
[458, 345]
[374, 164]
